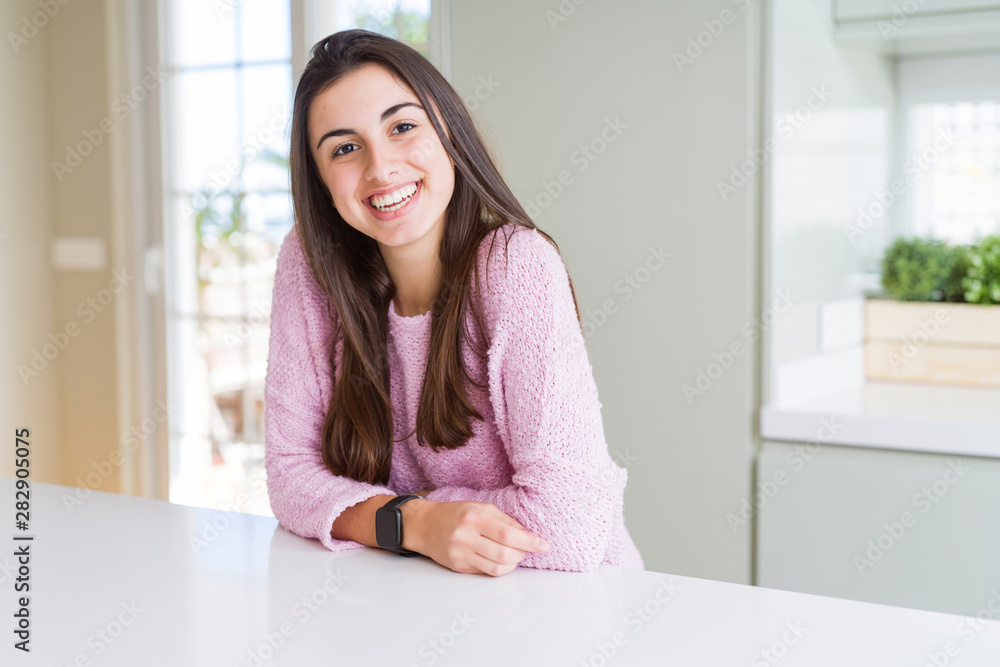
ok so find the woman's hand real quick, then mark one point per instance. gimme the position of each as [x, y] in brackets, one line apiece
[470, 537]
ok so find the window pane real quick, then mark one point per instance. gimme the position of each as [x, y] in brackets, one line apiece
[269, 218]
[953, 156]
[405, 20]
[266, 30]
[266, 95]
[202, 32]
[237, 267]
[204, 129]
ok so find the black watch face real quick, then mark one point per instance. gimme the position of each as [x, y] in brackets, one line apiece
[387, 527]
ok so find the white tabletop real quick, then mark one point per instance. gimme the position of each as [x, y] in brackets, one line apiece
[119, 581]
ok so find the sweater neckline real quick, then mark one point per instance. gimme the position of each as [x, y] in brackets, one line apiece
[412, 323]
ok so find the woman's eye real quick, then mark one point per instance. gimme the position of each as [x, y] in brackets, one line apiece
[337, 151]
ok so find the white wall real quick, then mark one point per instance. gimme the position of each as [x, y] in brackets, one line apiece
[555, 86]
[55, 91]
[25, 226]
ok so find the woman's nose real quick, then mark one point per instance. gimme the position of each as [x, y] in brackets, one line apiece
[383, 162]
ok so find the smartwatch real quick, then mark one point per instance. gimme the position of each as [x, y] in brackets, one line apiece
[389, 525]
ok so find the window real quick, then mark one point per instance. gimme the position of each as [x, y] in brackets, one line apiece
[949, 119]
[405, 20]
[227, 104]
[958, 146]
[227, 108]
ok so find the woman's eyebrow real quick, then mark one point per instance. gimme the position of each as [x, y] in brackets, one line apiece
[385, 116]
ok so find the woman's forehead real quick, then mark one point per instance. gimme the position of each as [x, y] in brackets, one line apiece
[360, 97]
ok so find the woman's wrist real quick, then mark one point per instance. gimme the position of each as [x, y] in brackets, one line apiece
[414, 512]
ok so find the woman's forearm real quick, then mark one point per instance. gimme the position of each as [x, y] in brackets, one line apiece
[357, 522]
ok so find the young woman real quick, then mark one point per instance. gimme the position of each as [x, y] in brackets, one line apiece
[409, 355]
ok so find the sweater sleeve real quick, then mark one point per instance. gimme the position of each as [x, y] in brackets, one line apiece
[305, 496]
[566, 488]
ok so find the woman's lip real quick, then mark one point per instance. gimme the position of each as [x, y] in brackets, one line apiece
[392, 215]
[385, 192]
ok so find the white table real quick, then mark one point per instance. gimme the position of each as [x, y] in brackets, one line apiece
[118, 582]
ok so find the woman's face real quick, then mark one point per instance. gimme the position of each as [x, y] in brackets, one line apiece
[370, 135]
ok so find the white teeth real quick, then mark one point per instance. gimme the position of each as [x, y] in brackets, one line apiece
[387, 202]
[395, 207]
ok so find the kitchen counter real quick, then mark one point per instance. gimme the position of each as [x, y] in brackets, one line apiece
[117, 580]
[940, 419]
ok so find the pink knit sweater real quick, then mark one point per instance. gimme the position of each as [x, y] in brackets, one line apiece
[539, 455]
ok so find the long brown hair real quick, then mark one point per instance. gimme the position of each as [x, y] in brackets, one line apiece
[348, 266]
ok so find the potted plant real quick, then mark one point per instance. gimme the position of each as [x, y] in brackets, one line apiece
[940, 322]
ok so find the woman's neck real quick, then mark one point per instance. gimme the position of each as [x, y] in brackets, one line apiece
[415, 269]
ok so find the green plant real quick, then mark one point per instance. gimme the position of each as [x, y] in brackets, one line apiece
[982, 282]
[924, 270]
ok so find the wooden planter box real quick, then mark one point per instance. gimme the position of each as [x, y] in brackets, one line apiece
[940, 343]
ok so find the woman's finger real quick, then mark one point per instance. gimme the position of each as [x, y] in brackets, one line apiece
[498, 553]
[487, 566]
[510, 535]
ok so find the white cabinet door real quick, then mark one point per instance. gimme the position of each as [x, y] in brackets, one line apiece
[892, 527]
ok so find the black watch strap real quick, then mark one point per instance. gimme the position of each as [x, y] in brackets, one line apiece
[399, 500]
[389, 525]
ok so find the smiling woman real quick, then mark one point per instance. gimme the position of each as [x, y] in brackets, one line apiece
[391, 179]
[407, 356]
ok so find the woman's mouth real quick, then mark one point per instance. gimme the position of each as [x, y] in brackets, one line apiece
[394, 201]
